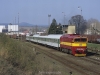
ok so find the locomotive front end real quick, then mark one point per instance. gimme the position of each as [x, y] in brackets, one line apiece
[79, 46]
[74, 44]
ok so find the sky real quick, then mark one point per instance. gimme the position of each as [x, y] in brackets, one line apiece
[36, 11]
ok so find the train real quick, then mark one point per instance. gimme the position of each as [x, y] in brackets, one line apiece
[73, 44]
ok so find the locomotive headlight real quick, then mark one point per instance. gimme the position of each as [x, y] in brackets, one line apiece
[76, 50]
[85, 51]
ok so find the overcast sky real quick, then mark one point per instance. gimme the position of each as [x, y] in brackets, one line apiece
[36, 11]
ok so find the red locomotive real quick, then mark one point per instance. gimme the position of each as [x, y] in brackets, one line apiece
[74, 44]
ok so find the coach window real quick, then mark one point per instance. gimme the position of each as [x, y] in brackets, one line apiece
[56, 40]
[48, 39]
[43, 39]
[38, 38]
[53, 40]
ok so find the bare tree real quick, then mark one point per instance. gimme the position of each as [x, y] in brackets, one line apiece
[79, 22]
[93, 25]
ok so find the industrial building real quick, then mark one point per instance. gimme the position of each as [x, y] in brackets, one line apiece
[12, 28]
[1, 28]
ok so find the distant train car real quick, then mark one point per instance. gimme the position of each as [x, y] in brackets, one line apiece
[70, 43]
[98, 41]
[93, 38]
[74, 44]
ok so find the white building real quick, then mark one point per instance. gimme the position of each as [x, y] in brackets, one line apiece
[12, 28]
[2, 27]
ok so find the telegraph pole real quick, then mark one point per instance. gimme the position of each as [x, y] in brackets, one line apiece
[48, 22]
[64, 17]
[15, 20]
[81, 9]
[49, 19]
[15, 25]
[18, 25]
[36, 29]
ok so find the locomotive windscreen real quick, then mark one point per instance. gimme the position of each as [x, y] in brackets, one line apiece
[80, 40]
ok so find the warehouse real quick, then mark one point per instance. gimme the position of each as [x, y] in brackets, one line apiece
[1, 28]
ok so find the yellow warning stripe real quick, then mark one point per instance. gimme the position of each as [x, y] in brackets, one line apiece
[74, 44]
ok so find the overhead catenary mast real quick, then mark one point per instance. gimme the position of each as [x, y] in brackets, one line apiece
[18, 25]
[48, 22]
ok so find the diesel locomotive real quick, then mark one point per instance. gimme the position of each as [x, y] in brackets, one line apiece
[74, 44]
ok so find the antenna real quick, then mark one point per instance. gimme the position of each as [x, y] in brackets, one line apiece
[15, 20]
[18, 18]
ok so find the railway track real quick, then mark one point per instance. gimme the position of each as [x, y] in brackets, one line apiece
[71, 63]
[92, 60]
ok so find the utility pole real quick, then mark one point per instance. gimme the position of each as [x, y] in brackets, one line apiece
[15, 20]
[49, 19]
[15, 25]
[81, 9]
[48, 22]
[36, 29]
[80, 17]
[18, 25]
[64, 17]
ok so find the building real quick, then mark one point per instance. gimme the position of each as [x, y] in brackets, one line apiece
[1, 28]
[12, 28]
[68, 29]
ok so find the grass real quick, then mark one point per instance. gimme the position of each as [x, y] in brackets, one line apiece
[92, 45]
[18, 58]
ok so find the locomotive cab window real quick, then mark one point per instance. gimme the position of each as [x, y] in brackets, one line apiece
[83, 40]
[80, 40]
[77, 40]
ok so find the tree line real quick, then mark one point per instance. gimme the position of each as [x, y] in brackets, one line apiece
[81, 25]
